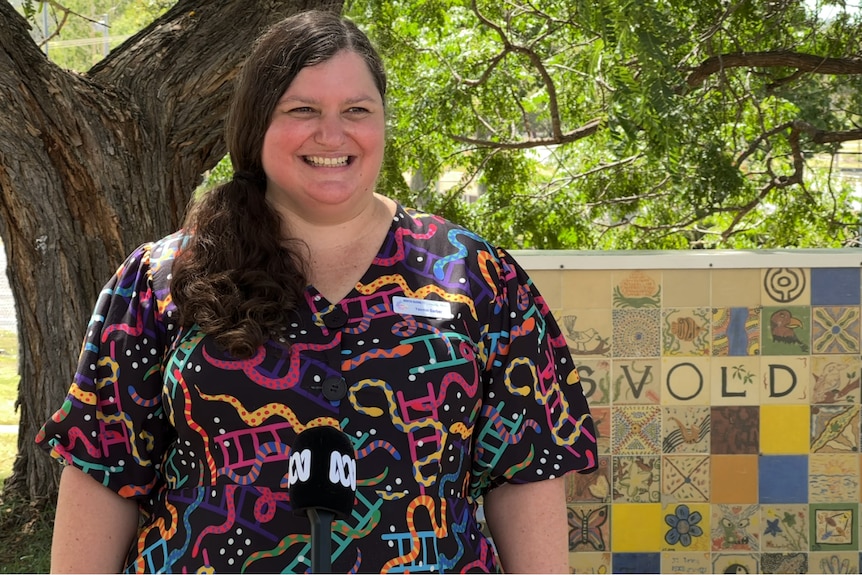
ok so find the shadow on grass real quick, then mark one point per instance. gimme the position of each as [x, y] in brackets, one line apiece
[25, 535]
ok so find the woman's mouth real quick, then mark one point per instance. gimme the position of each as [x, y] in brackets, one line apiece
[321, 162]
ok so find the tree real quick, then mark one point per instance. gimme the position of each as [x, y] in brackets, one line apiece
[619, 124]
[93, 164]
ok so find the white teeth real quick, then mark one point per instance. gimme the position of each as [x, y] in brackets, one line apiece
[328, 162]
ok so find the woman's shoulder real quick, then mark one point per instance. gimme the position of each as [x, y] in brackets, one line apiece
[433, 226]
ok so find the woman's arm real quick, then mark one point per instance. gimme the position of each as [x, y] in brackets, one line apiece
[529, 525]
[93, 526]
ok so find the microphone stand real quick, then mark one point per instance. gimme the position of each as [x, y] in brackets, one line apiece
[321, 539]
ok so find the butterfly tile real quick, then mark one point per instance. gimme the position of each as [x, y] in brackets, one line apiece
[589, 527]
[835, 329]
[835, 379]
[686, 331]
[834, 429]
[685, 478]
[736, 331]
[735, 429]
[833, 477]
[636, 479]
[590, 487]
[636, 430]
[685, 429]
[784, 562]
[735, 528]
[785, 527]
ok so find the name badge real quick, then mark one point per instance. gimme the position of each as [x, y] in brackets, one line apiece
[423, 307]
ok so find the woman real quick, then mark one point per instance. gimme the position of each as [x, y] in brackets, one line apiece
[297, 296]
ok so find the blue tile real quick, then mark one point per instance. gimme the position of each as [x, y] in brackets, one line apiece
[835, 286]
[636, 563]
[783, 479]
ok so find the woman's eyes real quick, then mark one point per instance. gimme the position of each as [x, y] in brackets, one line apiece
[307, 110]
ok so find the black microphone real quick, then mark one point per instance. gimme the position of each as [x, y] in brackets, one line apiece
[322, 484]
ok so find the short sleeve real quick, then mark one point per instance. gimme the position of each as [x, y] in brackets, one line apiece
[112, 424]
[535, 422]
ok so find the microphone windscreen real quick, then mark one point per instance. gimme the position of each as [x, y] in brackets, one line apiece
[322, 471]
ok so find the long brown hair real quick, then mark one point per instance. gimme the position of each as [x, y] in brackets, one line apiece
[239, 278]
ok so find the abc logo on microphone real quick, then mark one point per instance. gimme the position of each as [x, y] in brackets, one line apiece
[322, 471]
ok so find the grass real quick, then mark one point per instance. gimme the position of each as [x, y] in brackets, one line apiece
[25, 527]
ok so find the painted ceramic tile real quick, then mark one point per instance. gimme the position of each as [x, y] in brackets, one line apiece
[786, 285]
[833, 477]
[637, 289]
[784, 563]
[735, 563]
[637, 562]
[685, 288]
[685, 331]
[834, 428]
[735, 429]
[636, 332]
[735, 527]
[786, 330]
[595, 377]
[734, 478]
[587, 332]
[735, 380]
[785, 527]
[838, 562]
[602, 422]
[590, 487]
[835, 329]
[637, 479]
[636, 430]
[835, 379]
[783, 478]
[835, 286]
[785, 380]
[684, 562]
[588, 527]
[685, 429]
[685, 381]
[687, 527]
[834, 527]
[685, 478]
[736, 331]
[585, 562]
[636, 381]
[735, 287]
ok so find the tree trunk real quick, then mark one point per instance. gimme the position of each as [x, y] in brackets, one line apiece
[93, 165]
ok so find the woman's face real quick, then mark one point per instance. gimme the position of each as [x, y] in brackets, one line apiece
[323, 148]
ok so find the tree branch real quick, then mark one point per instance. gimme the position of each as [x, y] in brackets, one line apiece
[584, 131]
[777, 59]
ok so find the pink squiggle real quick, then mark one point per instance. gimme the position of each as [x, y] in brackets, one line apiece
[224, 527]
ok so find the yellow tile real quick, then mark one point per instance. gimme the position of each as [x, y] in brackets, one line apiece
[785, 429]
[637, 527]
[735, 288]
[785, 379]
[685, 288]
[550, 286]
[586, 288]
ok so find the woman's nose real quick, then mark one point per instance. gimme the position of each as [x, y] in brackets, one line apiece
[330, 130]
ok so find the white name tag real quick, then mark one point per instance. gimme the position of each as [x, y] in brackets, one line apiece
[423, 307]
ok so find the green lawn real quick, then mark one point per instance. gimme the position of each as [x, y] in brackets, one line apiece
[8, 396]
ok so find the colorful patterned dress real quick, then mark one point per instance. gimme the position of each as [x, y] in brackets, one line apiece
[443, 365]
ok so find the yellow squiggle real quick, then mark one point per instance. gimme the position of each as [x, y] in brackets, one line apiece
[261, 414]
[165, 534]
[439, 526]
[398, 279]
